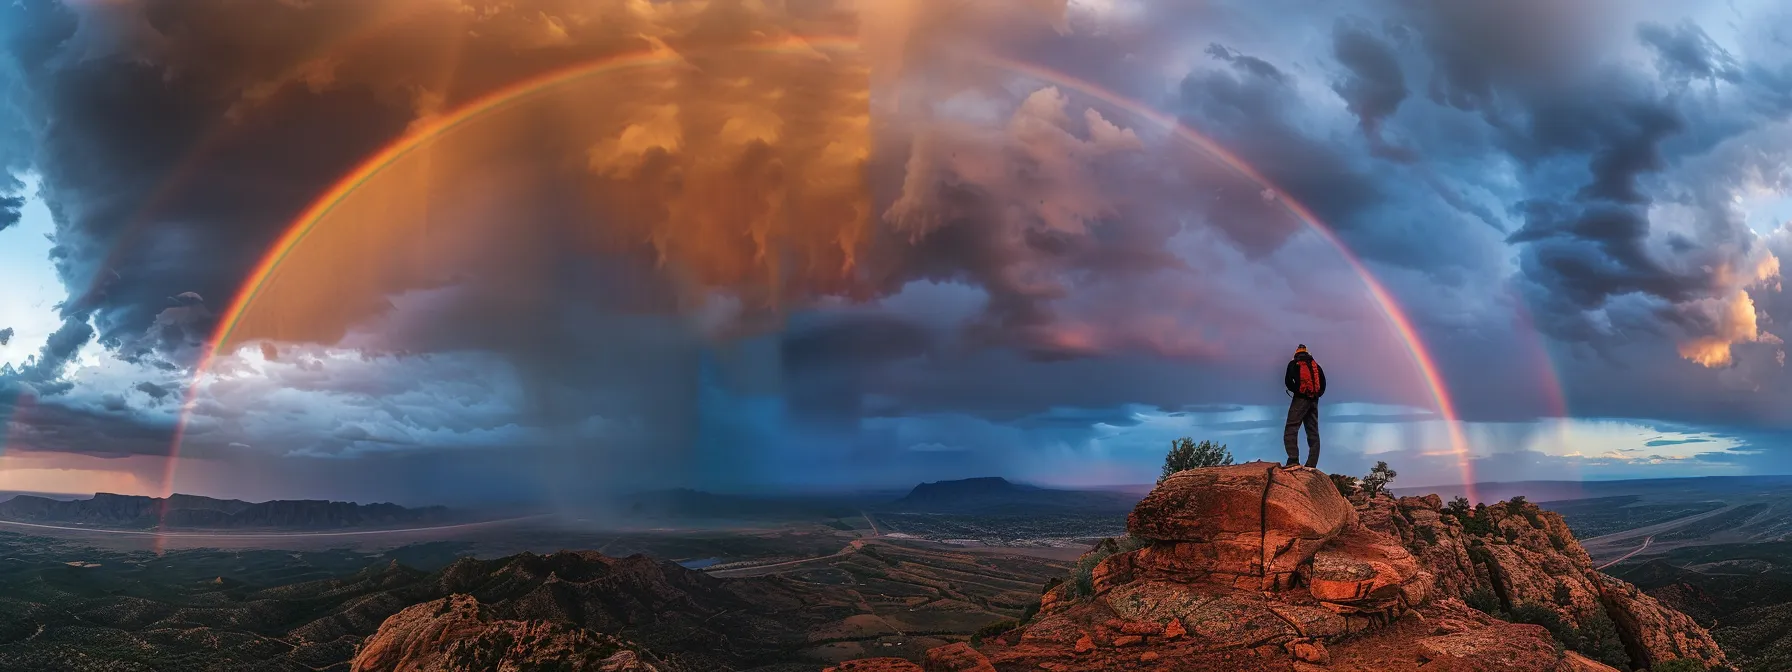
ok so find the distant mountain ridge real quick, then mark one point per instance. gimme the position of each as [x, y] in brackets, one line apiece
[994, 494]
[192, 511]
[1547, 491]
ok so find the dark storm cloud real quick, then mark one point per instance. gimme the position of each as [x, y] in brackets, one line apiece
[1246, 63]
[1598, 138]
[1210, 409]
[1247, 106]
[142, 173]
[1375, 86]
[104, 426]
[1657, 443]
[9, 210]
[851, 342]
[1589, 253]
[154, 391]
[15, 158]
[1685, 52]
[1402, 213]
[43, 371]
[1480, 52]
[1080, 419]
[5, 336]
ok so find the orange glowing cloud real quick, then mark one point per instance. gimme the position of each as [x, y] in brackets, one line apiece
[1732, 317]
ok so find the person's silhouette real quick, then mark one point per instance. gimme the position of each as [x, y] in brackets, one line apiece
[1305, 381]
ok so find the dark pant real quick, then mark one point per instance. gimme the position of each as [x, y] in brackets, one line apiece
[1302, 411]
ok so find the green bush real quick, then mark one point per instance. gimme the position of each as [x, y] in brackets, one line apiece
[992, 630]
[1428, 535]
[1478, 522]
[1129, 543]
[1082, 579]
[1537, 614]
[1680, 665]
[1185, 454]
[1484, 600]
[1599, 641]
[1460, 508]
[1031, 611]
[1480, 554]
[1515, 506]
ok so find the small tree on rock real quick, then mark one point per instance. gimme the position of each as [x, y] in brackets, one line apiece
[1185, 454]
[1378, 479]
[1347, 485]
[1515, 506]
[1460, 508]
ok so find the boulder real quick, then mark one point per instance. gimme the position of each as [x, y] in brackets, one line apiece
[959, 657]
[1364, 570]
[1574, 662]
[876, 665]
[1309, 651]
[1424, 503]
[1498, 648]
[1253, 524]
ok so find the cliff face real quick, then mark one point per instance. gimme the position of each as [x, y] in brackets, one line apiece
[1526, 559]
[1251, 567]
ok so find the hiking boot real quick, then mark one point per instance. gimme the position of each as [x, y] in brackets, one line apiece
[1291, 464]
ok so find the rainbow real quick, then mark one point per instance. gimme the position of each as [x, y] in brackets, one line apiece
[419, 137]
[1421, 357]
[425, 133]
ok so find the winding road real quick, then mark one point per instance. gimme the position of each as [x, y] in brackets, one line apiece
[1626, 556]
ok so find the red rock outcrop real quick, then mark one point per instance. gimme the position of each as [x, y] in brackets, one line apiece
[1250, 525]
[958, 657]
[1655, 632]
[457, 634]
[876, 665]
[1525, 557]
[1499, 648]
[1252, 567]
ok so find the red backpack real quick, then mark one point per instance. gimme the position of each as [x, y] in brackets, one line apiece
[1309, 377]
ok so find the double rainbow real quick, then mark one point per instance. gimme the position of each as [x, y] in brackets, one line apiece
[422, 134]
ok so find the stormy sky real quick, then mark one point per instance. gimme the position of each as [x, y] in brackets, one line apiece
[826, 244]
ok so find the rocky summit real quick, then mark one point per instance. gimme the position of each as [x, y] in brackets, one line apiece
[1254, 567]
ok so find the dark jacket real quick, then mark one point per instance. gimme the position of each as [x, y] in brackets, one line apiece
[1292, 379]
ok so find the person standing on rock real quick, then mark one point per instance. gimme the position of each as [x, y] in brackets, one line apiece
[1305, 381]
